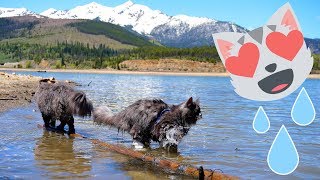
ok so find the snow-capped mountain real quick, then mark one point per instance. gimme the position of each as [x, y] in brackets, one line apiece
[53, 13]
[140, 17]
[177, 31]
[11, 12]
[169, 30]
[89, 11]
[182, 35]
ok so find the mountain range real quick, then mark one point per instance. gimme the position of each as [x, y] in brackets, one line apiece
[178, 31]
[175, 31]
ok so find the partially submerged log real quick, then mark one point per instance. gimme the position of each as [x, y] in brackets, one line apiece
[164, 163]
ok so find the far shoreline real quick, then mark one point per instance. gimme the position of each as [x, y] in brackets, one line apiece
[109, 71]
[160, 73]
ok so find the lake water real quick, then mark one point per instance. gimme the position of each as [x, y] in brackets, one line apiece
[224, 139]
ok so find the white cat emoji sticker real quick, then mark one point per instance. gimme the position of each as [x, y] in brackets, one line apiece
[269, 62]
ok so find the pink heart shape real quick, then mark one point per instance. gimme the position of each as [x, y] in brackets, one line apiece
[285, 46]
[246, 62]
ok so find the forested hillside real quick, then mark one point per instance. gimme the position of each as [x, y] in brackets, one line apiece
[81, 55]
[115, 32]
[87, 44]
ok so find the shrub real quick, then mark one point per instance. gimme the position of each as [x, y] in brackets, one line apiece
[316, 61]
[28, 65]
[58, 64]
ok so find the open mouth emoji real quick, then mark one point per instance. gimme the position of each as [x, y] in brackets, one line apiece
[277, 82]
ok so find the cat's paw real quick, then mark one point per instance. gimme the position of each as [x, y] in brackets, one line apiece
[138, 145]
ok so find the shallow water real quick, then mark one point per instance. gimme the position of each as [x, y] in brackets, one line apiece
[224, 139]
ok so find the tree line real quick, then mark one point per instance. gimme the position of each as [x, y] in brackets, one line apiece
[80, 55]
[76, 53]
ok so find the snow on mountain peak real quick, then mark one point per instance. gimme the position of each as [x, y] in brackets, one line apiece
[53, 13]
[193, 21]
[122, 7]
[93, 5]
[50, 10]
[89, 11]
[11, 12]
[126, 4]
[177, 31]
[188, 20]
[140, 17]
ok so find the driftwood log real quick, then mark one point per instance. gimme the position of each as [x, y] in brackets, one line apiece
[164, 163]
[175, 166]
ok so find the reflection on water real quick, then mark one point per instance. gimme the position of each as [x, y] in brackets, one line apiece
[27, 152]
[60, 156]
[222, 139]
[134, 168]
[57, 153]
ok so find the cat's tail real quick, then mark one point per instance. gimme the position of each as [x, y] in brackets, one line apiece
[80, 104]
[103, 115]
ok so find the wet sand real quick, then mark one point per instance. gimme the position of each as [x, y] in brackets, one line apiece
[16, 90]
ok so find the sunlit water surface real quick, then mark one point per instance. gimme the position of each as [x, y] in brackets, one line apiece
[223, 140]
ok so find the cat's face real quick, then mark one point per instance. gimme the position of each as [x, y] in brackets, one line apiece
[177, 123]
[269, 62]
[190, 112]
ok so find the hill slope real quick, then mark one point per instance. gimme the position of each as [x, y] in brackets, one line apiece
[115, 32]
[33, 30]
[313, 44]
[175, 31]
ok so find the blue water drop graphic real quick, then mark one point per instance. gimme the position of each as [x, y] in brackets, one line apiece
[261, 123]
[283, 157]
[303, 112]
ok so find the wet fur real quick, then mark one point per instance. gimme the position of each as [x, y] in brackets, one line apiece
[139, 120]
[59, 101]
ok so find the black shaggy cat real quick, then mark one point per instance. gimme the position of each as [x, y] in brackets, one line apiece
[147, 120]
[59, 101]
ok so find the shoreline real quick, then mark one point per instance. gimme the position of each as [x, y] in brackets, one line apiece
[16, 90]
[108, 71]
[159, 73]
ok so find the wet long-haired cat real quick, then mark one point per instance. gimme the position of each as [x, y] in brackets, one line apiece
[59, 101]
[147, 120]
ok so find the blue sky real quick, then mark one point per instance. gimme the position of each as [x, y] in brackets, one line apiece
[247, 13]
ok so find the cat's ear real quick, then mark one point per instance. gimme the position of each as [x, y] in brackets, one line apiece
[198, 101]
[225, 41]
[189, 102]
[285, 16]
